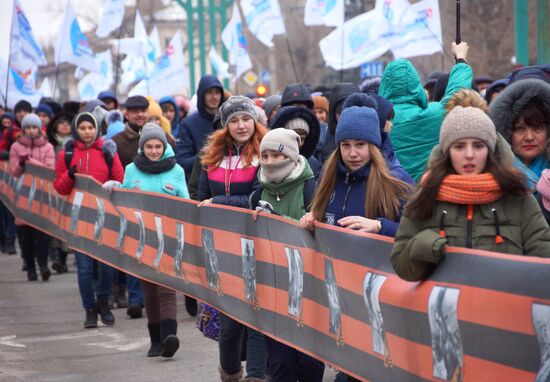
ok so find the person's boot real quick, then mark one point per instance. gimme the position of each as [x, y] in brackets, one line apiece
[121, 297]
[45, 273]
[91, 318]
[170, 342]
[63, 261]
[224, 377]
[56, 262]
[31, 275]
[135, 310]
[154, 334]
[191, 306]
[105, 313]
[10, 246]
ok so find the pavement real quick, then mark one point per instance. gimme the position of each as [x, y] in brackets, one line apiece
[42, 337]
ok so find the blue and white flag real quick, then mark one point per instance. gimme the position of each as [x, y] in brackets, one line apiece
[25, 51]
[422, 36]
[21, 85]
[113, 14]
[235, 42]
[45, 89]
[93, 83]
[218, 64]
[72, 45]
[264, 19]
[393, 24]
[169, 75]
[324, 12]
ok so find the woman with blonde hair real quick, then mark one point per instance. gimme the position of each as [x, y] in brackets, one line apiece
[230, 162]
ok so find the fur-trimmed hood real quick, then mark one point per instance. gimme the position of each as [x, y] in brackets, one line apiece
[511, 102]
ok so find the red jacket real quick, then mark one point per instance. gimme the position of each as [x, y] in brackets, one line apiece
[88, 161]
[6, 141]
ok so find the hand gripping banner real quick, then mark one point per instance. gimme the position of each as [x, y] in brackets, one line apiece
[332, 294]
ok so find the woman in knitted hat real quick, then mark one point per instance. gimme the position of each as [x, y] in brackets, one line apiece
[357, 190]
[32, 147]
[154, 169]
[230, 161]
[469, 198]
[89, 154]
[287, 186]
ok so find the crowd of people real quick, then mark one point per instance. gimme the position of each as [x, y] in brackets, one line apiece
[456, 160]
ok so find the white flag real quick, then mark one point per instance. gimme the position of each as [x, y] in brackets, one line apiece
[21, 85]
[72, 45]
[154, 40]
[92, 84]
[45, 89]
[113, 14]
[169, 75]
[264, 19]
[359, 40]
[234, 40]
[23, 45]
[423, 35]
[218, 64]
[324, 12]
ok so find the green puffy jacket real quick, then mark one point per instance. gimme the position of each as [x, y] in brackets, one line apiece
[419, 247]
[417, 122]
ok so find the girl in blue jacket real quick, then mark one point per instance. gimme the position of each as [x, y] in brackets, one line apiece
[154, 169]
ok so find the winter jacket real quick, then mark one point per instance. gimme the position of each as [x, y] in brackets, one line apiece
[338, 95]
[419, 248]
[348, 198]
[175, 123]
[127, 143]
[417, 122]
[291, 197]
[9, 136]
[309, 147]
[195, 128]
[171, 182]
[229, 184]
[511, 102]
[88, 161]
[37, 150]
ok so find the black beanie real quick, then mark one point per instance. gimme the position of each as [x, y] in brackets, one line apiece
[23, 106]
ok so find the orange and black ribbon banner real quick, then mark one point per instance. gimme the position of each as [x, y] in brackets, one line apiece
[480, 317]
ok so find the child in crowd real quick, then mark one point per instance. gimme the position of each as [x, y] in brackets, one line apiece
[32, 147]
[287, 187]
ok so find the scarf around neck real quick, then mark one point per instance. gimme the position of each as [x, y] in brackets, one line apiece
[154, 167]
[276, 172]
[469, 189]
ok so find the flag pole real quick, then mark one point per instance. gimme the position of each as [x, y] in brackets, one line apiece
[292, 58]
[458, 37]
[9, 62]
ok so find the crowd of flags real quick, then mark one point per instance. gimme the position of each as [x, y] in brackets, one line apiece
[405, 29]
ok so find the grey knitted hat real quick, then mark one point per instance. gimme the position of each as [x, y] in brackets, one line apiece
[236, 105]
[297, 124]
[152, 131]
[284, 141]
[467, 122]
[31, 120]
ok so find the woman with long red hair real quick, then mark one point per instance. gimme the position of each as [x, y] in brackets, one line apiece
[230, 161]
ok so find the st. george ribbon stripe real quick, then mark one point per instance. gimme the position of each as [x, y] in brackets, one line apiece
[487, 350]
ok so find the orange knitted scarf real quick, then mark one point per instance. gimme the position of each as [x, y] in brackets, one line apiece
[469, 189]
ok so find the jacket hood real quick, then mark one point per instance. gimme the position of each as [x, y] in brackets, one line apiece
[339, 94]
[171, 100]
[287, 113]
[207, 82]
[511, 102]
[498, 85]
[401, 84]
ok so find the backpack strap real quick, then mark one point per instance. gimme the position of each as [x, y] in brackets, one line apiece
[69, 153]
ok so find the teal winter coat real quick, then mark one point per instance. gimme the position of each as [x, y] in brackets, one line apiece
[417, 122]
[171, 182]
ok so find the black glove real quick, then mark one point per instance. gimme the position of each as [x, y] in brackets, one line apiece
[72, 171]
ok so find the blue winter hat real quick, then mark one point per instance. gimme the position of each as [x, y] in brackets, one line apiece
[31, 119]
[358, 123]
[44, 108]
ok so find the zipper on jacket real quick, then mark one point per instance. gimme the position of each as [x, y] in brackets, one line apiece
[87, 159]
[345, 200]
[469, 223]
